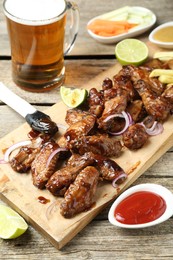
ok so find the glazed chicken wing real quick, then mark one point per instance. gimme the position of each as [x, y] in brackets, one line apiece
[108, 169]
[107, 84]
[113, 106]
[136, 110]
[135, 137]
[41, 172]
[77, 130]
[139, 73]
[22, 161]
[24, 158]
[156, 106]
[96, 102]
[124, 82]
[75, 115]
[168, 94]
[154, 64]
[61, 179]
[80, 195]
[99, 144]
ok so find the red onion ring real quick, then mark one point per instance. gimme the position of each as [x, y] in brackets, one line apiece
[113, 116]
[51, 209]
[155, 129]
[14, 147]
[130, 118]
[59, 149]
[2, 161]
[128, 121]
[122, 175]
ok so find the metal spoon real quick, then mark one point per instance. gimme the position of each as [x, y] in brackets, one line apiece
[38, 120]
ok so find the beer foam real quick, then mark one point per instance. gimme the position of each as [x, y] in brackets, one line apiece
[34, 12]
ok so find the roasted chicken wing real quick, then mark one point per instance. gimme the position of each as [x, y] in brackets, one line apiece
[61, 179]
[99, 144]
[135, 137]
[96, 102]
[156, 106]
[75, 115]
[80, 195]
[22, 161]
[40, 169]
[113, 106]
[136, 110]
[77, 130]
[108, 169]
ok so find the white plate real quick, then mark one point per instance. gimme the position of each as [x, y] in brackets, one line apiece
[132, 32]
[167, 45]
[158, 189]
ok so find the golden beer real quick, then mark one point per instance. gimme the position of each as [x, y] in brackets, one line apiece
[37, 45]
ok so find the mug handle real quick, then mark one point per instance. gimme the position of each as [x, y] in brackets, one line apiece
[74, 27]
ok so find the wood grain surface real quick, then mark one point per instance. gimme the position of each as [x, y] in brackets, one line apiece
[18, 191]
[85, 45]
[98, 240]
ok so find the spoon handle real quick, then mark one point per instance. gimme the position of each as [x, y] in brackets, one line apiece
[38, 120]
[20, 105]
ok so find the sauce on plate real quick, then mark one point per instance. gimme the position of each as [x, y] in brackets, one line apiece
[140, 207]
[164, 34]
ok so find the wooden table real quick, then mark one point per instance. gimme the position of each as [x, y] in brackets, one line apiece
[99, 240]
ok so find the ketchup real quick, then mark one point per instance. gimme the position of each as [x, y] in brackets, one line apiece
[140, 207]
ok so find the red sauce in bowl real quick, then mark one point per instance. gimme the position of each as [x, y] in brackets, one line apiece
[139, 208]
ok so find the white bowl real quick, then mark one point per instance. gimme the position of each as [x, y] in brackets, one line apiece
[155, 188]
[131, 33]
[167, 45]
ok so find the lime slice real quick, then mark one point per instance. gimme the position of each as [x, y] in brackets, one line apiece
[73, 97]
[131, 51]
[12, 225]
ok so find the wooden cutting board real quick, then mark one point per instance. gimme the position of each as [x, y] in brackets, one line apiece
[18, 191]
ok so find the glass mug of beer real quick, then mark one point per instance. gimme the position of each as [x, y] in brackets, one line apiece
[36, 31]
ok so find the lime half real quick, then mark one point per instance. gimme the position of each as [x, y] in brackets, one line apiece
[12, 225]
[131, 51]
[73, 97]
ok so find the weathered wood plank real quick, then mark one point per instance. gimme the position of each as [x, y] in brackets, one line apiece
[75, 77]
[24, 199]
[99, 241]
[89, 9]
[12, 120]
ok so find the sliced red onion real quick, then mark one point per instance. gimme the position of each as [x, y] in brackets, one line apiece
[128, 121]
[14, 147]
[155, 129]
[113, 116]
[122, 175]
[58, 150]
[2, 161]
[51, 209]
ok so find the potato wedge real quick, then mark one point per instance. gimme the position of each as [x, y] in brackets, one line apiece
[169, 85]
[163, 55]
[166, 79]
[160, 72]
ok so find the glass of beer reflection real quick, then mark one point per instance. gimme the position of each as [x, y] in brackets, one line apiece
[36, 31]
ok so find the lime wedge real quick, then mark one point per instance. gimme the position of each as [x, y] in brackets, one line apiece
[73, 97]
[131, 51]
[12, 225]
